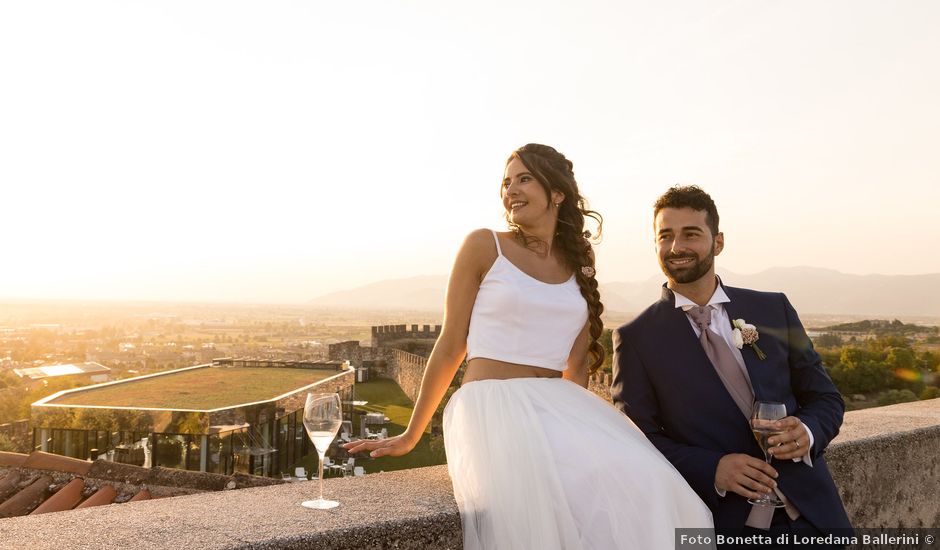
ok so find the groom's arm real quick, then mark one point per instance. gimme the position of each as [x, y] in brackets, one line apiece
[633, 393]
[821, 405]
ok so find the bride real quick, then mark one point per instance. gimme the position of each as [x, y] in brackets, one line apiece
[537, 460]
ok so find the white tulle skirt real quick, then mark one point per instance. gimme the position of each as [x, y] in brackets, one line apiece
[542, 463]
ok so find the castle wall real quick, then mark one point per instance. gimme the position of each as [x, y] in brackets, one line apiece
[407, 369]
[385, 335]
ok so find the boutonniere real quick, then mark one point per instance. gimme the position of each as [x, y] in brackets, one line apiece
[746, 335]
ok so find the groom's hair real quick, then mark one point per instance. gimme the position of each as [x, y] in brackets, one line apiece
[689, 196]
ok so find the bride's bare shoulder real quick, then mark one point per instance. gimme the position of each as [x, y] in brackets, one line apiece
[478, 249]
[480, 241]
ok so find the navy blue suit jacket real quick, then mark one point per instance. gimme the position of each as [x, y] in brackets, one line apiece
[665, 383]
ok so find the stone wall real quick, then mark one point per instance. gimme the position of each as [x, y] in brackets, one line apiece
[884, 463]
[351, 351]
[386, 335]
[407, 369]
[600, 384]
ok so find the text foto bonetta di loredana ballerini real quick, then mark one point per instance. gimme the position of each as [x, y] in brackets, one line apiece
[797, 539]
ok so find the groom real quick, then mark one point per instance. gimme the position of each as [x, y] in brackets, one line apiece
[688, 382]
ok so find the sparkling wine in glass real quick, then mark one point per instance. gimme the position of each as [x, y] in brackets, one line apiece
[323, 417]
[762, 421]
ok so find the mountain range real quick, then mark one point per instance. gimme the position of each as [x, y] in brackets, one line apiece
[810, 289]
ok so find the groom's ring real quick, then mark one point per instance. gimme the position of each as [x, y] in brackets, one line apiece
[797, 443]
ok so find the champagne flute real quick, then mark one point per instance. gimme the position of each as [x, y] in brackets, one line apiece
[762, 421]
[323, 416]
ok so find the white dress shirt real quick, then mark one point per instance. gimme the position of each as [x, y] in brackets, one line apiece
[721, 325]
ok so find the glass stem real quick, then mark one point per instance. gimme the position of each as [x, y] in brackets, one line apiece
[322, 458]
[766, 496]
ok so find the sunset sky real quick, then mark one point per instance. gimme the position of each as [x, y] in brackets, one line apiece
[274, 152]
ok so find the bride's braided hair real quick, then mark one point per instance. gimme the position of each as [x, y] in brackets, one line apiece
[572, 243]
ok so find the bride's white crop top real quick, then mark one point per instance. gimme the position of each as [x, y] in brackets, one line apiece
[519, 319]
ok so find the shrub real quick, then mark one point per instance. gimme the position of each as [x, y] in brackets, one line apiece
[930, 392]
[891, 397]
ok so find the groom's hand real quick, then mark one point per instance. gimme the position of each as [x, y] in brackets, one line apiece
[745, 475]
[792, 442]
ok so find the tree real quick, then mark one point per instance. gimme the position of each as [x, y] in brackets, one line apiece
[828, 340]
[929, 361]
[852, 356]
[900, 358]
[861, 377]
[879, 345]
[95, 419]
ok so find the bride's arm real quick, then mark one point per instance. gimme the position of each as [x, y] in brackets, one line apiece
[450, 348]
[577, 370]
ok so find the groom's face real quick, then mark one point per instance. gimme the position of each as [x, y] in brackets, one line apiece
[685, 245]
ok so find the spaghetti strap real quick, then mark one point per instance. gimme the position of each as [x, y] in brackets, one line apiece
[499, 251]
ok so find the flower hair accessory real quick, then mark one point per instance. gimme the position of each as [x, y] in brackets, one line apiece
[587, 271]
[745, 334]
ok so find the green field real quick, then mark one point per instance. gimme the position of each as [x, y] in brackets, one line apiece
[385, 396]
[200, 389]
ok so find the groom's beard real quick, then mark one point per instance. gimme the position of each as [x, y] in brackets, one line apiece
[689, 273]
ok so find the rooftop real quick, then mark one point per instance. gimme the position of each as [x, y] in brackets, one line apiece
[49, 371]
[41, 483]
[196, 388]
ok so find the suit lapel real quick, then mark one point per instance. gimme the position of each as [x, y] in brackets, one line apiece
[687, 349]
[680, 326]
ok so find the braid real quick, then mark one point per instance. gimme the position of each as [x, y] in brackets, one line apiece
[571, 243]
[577, 252]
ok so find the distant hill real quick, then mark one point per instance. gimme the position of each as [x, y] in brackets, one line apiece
[810, 289]
[881, 327]
[422, 293]
[815, 290]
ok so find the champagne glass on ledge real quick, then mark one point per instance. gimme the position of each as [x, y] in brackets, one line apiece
[323, 416]
[762, 420]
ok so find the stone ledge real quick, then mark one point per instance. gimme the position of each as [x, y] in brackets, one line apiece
[883, 461]
[406, 509]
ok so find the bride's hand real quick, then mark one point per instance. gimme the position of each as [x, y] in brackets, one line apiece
[390, 446]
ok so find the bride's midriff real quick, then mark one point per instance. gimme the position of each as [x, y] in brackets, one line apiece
[480, 368]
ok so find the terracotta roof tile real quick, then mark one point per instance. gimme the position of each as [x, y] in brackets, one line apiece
[8, 485]
[26, 481]
[47, 461]
[64, 499]
[12, 460]
[143, 494]
[104, 495]
[27, 499]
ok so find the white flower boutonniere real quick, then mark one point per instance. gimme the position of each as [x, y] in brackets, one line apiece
[746, 335]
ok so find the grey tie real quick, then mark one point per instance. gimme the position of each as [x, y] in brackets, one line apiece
[722, 358]
[738, 385]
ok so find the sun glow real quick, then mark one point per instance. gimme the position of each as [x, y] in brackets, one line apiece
[225, 151]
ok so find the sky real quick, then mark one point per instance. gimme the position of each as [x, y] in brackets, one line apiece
[274, 152]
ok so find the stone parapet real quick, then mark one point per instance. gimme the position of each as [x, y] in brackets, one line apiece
[385, 335]
[883, 462]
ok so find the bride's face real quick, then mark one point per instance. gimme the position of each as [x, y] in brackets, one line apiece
[685, 245]
[524, 197]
